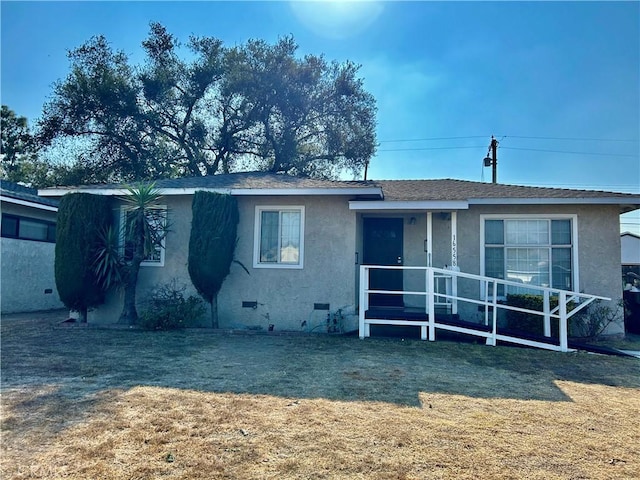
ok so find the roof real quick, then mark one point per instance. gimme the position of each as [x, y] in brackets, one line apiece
[630, 234]
[243, 183]
[451, 190]
[400, 194]
[16, 193]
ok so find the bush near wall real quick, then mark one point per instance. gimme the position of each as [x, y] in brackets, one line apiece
[81, 217]
[528, 322]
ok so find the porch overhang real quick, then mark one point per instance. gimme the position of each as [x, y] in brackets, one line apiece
[409, 205]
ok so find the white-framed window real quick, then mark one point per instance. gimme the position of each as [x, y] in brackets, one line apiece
[157, 219]
[278, 237]
[538, 250]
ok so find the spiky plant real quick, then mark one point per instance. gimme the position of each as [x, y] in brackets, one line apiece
[145, 228]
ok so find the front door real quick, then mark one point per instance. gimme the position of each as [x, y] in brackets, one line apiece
[383, 246]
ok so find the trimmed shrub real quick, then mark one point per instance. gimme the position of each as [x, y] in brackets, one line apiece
[527, 322]
[168, 308]
[81, 217]
[212, 244]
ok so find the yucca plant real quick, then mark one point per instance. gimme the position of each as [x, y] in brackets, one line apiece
[108, 263]
[145, 228]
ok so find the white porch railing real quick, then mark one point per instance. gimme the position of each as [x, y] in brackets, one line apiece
[487, 298]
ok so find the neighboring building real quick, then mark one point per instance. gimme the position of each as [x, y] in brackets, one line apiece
[27, 248]
[304, 241]
[630, 254]
[630, 258]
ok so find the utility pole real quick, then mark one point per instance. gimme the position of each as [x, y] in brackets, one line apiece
[493, 160]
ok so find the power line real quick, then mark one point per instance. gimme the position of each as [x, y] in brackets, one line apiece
[427, 139]
[573, 139]
[425, 148]
[569, 152]
[576, 139]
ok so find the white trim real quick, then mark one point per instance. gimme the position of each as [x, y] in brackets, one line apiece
[413, 205]
[145, 263]
[557, 201]
[575, 264]
[256, 236]
[27, 203]
[377, 191]
[429, 239]
[454, 239]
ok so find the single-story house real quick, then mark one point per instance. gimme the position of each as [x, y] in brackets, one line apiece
[308, 243]
[27, 242]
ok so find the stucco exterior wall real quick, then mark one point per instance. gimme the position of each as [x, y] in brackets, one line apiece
[285, 297]
[598, 246]
[27, 282]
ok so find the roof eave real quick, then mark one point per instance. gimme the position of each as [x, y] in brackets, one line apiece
[375, 192]
[632, 202]
[27, 203]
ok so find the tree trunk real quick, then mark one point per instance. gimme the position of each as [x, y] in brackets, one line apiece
[129, 315]
[214, 312]
[82, 315]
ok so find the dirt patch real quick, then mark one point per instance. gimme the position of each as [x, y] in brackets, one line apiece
[89, 403]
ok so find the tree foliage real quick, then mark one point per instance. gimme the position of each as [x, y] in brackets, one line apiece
[254, 106]
[81, 216]
[212, 244]
[18, 149]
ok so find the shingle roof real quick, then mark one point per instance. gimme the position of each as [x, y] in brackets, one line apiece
[20, 192]
[450, 189]
[243, 180]
[393, 190]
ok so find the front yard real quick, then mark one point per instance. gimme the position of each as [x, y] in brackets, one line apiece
[122, 404]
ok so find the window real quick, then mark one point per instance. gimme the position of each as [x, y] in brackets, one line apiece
[279, 237]
[157, 219]
[531, 251]
[14, 226]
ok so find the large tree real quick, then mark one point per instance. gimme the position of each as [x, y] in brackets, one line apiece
[308, 117]
[19, 153]
[252, 107]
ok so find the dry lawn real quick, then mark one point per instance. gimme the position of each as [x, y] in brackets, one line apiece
[110, 404]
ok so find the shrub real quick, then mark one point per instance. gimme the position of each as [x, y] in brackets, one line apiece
[81, 217]
[168, 309]
[212, 244]
[529, 322]
[594, 320]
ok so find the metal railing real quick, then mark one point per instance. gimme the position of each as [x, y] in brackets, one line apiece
[486, 298]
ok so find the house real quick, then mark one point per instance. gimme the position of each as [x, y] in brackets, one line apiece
[439, 245]
[630, 259]
[27, 243]
[630, 253]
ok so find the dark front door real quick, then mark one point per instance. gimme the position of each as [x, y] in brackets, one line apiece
[383, 246]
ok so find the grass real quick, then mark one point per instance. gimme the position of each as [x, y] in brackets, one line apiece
[122, 404]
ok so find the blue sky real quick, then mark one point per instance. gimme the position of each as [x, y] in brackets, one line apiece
[545, 78]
